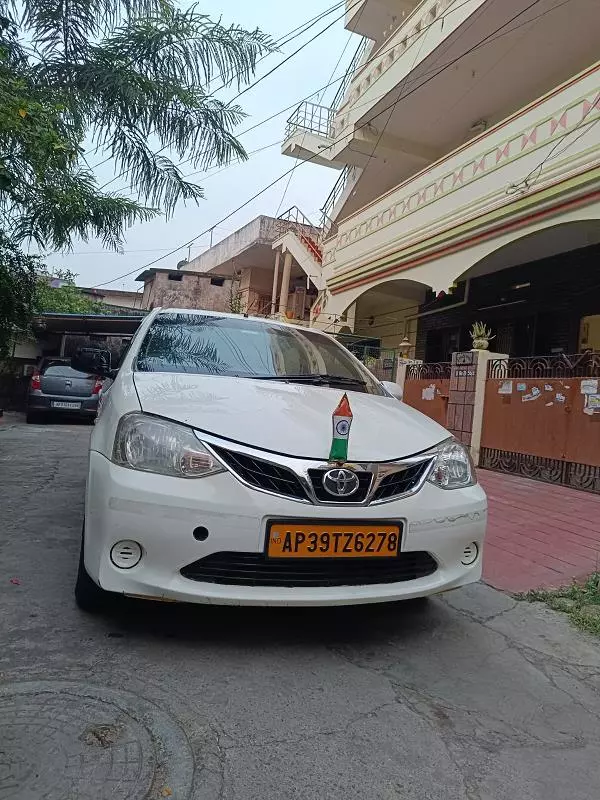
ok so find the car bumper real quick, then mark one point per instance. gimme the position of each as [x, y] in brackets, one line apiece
[43, 402]
[161, 513]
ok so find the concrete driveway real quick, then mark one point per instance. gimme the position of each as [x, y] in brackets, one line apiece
[470, 696]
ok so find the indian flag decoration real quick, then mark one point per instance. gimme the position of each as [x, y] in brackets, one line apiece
[342, 420]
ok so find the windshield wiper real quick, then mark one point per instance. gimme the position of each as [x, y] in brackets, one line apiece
[316, 378]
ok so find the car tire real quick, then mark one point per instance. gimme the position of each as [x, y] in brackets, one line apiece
[88, 595]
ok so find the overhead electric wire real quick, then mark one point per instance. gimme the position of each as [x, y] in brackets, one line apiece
[375, 57]
[319, 100]
[305, 27]
[287, 172]
[378, 54]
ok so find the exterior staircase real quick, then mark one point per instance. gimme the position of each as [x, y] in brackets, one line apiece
[303, 240]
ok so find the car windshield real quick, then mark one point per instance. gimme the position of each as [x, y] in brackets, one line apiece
[64, 371]
[213, 345]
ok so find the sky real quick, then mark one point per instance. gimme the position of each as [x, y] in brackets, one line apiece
[310, 184]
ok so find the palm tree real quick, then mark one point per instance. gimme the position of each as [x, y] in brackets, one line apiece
[129, 79]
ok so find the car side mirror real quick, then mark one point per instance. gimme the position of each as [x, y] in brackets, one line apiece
[394, 389]
[92, 361]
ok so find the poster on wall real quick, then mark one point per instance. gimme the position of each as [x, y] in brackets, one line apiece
[589, 386]
[592, 404]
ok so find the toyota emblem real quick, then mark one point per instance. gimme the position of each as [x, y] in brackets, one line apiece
[340, 482]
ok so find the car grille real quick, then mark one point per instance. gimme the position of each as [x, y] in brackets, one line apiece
[359, 496]
[255, 569]
[280, 480]
[401, 482]
[263, 474]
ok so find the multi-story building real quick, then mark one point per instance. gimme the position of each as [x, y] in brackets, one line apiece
[275, 262]
[467, 143]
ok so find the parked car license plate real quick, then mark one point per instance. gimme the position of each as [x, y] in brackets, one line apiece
[66, 406]
[332, 540]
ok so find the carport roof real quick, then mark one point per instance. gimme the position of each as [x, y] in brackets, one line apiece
[88, 323]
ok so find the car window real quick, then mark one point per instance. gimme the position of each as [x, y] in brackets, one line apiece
[64, 371]
[213, 345]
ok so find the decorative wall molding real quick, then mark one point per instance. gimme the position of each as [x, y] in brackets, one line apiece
[404, 38]
[579, 114]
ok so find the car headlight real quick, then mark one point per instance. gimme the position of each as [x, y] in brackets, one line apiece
[453, 467]
[155, 445]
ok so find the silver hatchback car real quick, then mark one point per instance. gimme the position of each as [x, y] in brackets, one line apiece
[58, 389]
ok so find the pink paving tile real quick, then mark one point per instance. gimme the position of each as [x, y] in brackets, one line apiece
[550, 541]
[538, 534]
[520, 580]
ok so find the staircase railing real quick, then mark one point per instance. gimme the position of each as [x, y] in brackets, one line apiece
[309, 234]
[312, 247]
[294, 219]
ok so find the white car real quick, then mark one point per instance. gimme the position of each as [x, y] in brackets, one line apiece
[247, 462]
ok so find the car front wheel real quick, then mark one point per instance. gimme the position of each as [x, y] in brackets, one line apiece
[88, 595]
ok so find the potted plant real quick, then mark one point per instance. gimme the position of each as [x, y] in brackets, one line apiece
[481, 336]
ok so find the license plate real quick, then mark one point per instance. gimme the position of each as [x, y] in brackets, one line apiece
[332, 540]
[67, 406]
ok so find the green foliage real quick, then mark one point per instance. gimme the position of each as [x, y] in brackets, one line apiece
[64, 299]
[236, 297]
[17, 291]
[133, 78]
[480, 331]
[580, 600]
[130, 77]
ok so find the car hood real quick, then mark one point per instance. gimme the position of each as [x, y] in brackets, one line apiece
[287, 418]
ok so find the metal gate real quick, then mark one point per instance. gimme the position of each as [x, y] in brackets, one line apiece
[381, 362]
[427, 388]
[541, 419]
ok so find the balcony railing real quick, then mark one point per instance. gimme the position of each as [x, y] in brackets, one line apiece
[357, 61]
[318, 119]
[327, 223]
[311, 118]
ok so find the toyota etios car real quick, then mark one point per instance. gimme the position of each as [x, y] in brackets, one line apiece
[248, 462]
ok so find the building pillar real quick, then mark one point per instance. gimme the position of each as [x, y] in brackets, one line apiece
[285, 283]
[402, 365]
[275, 280]
[467, 397]
[483, 359]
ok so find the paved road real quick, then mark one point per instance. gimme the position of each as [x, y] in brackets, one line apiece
[474, 696]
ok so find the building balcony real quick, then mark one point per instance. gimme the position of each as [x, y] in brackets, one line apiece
[449, 69]
[541, 158]
[377, 19]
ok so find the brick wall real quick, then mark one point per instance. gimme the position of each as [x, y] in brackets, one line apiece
[188, 291]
